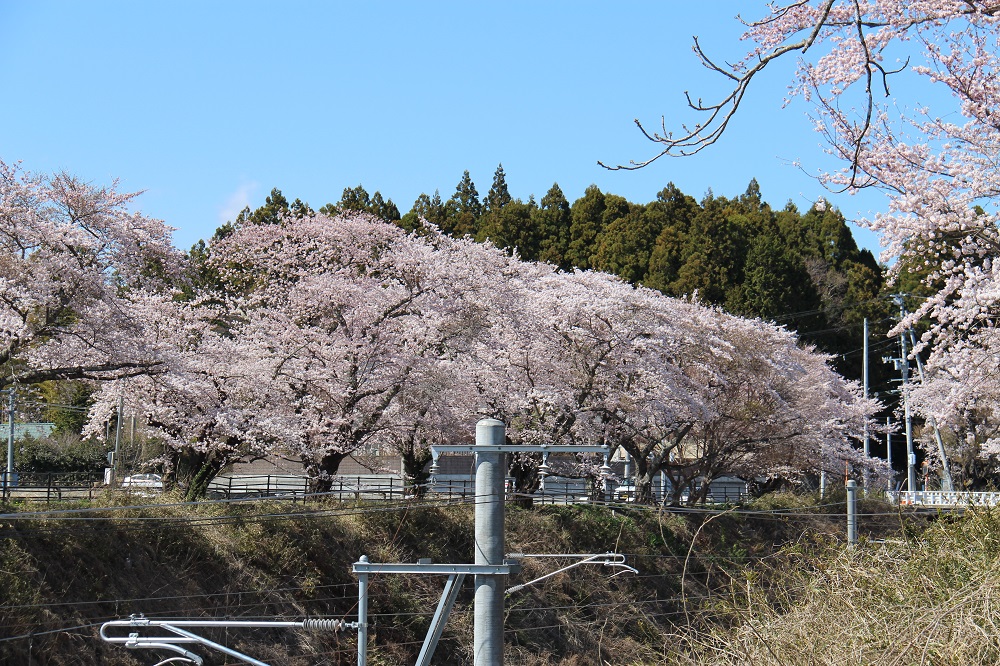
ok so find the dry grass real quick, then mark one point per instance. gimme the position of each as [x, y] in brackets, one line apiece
[932, 600]
[709, 591]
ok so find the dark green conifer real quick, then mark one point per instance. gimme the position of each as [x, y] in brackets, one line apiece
[498, 196]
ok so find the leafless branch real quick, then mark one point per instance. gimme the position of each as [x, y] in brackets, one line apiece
[697, 138]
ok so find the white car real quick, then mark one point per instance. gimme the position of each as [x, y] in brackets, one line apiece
[143, 481]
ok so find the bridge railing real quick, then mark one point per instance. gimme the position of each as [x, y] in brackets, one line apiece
[945, 498]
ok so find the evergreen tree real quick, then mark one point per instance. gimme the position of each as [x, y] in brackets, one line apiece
[587, 223]
[73, 398]
[775, 284]
[615, 208]
[626, 244]
[665, 259]
[513, 228]
[463, 209]
[677, 210]
[826, 235]
[553, 219]
[498, 196]
[382, 209]
[358, 200]
[713, 254]
[751, 200]
[353, 199]
[424, 208]
[274, 209]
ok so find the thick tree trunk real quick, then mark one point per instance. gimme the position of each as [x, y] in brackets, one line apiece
[321, 472]
[415, 473]
[524, 469]
[195, 470]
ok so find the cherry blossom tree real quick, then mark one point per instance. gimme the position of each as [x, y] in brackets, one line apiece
[78, 271]
[357, 317]
[683, 388]
[936, 164]
[778, 412]
[212, 399]
[328, 337]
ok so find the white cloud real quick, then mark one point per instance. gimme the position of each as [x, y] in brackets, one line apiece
[237, 201]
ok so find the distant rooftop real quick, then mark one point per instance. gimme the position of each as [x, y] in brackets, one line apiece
[21, 430]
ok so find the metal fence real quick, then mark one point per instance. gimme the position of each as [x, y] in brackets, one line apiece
[51, 486]
[945, 498]
[298, 487]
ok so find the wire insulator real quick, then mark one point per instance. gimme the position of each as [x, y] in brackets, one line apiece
[327, 624]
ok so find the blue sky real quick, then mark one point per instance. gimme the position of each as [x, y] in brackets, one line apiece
[206, 106]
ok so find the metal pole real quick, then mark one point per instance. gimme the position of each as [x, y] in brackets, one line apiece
[852, 512]
[946, 483]
[489, 545]
[864, 373]
[363, 614]
[8, 480]
[118, 438]
[888, 454]
[904, 364]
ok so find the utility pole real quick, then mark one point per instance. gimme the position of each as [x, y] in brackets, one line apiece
[118, 439]
[864, 374]
[490, 568]
[8, 479]
[904, 367]
[891, 483]
[946, 483]
[489, 544]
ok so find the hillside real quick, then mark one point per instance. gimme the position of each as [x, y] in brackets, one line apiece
[63, 573]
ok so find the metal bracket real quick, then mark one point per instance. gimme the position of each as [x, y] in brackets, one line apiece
[434, 632]
[614, 560]
[508, 568]
[179, 636]
[517, 448]
[456, 575]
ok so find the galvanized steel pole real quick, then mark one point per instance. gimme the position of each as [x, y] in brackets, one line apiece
[490, 475]
[891, 483]
[8, 479]
[904, 365]
[852, 512]
[864, 375]
[363, 615]
[946, 483]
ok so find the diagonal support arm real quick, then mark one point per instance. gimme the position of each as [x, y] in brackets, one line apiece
[448, 597]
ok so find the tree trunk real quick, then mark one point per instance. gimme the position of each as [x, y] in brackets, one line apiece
[321, 472]
[200, 470]
[415, 472]
[524, 468]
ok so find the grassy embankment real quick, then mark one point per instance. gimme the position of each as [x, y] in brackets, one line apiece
[775, 586]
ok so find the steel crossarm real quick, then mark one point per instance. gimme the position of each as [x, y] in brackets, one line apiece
[518, 448]
[508, 568]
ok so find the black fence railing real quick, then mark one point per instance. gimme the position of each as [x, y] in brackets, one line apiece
[49, 487]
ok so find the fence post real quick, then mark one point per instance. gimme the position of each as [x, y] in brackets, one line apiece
[852, 512]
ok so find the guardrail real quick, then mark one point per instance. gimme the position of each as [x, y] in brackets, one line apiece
[945, 498]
